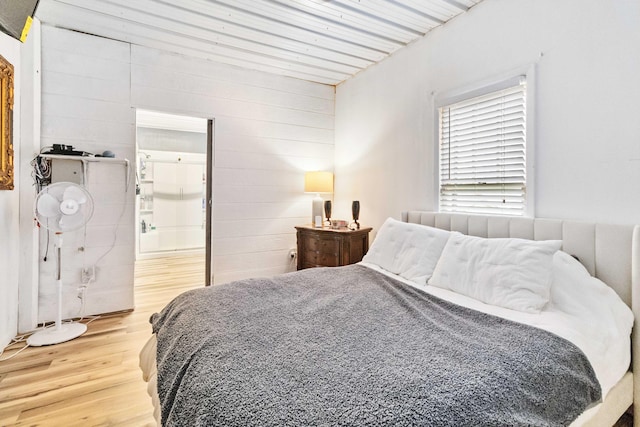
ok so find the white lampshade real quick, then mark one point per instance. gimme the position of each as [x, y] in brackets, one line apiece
[318, 182]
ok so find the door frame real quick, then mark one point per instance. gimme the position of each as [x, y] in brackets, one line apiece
[208, 280]
[209, 159]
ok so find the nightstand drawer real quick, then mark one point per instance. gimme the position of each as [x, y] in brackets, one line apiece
[325, 246]
[319, 259]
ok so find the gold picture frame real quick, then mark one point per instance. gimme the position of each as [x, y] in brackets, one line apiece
[6, 124]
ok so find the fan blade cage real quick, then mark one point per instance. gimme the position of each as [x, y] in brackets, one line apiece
[52, 207]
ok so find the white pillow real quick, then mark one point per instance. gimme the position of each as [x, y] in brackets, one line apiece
[510, 273]
[599, 311]
[408, 250]
[574, 291]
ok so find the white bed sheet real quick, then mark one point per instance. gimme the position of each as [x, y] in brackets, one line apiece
[610, 362]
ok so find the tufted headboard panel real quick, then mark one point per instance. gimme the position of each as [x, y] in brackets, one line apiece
[605, 250]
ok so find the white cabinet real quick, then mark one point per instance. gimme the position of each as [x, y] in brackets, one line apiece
[172, 206]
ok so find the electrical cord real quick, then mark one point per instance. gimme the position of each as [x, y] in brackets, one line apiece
[42, 177]
[16, 340]
[83, 294]
[46, 252]
[91, 319]
[84, 287]
[115, 231]
[24, 337]
[14, 354]
[41, 171]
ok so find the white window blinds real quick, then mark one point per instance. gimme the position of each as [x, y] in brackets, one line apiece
[482, 153]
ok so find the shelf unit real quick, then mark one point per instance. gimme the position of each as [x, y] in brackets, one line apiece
[85, 160]
[170, 205]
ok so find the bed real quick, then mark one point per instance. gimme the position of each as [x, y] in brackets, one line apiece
[409, 337]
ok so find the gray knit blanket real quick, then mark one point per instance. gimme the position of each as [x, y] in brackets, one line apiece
[349, 346]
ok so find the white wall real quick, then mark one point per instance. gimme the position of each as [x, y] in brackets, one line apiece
[9, 213]
[587, 132]
[268, 131]
[86, 104]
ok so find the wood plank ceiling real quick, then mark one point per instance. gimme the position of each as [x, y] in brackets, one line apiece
[325, 41]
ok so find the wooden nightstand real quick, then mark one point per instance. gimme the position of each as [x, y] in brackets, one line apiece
[325, 247]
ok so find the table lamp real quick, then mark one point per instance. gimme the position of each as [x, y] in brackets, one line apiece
[317, 182]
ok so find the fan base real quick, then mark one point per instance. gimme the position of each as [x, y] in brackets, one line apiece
[52, 335]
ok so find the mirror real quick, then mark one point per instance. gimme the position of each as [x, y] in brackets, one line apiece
[6, 124]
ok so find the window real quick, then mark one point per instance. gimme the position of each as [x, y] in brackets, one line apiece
[483, 152]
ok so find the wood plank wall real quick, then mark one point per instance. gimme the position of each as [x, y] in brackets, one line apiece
[269, 130]
[85, 103]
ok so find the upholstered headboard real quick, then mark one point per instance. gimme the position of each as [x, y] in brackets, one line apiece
[609, 252]
[605, 250]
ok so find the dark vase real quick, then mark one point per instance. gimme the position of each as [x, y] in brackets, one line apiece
[327, 209]
[355, 212]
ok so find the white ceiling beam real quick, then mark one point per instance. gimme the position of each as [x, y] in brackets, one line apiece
[287, 30]
[324, 41]
[284, 12]
[440, 10]
[91, 23]
[364, 18]
[391, 13]
[196, 30]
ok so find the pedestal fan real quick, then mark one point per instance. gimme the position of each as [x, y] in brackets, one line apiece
[61, 207]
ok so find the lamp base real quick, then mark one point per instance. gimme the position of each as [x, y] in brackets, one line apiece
[316, 211]
[54, 335]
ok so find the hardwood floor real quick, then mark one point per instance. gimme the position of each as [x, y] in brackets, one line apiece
[94, 380]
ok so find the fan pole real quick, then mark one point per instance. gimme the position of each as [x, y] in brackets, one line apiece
[59, 280]
[59, 333]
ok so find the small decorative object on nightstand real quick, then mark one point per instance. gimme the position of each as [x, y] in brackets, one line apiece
[327, 212]
[355, 213]
[326, 247]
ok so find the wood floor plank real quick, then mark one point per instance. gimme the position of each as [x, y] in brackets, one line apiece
[94, 380]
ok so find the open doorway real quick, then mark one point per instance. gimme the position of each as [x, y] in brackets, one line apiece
[173, 186]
